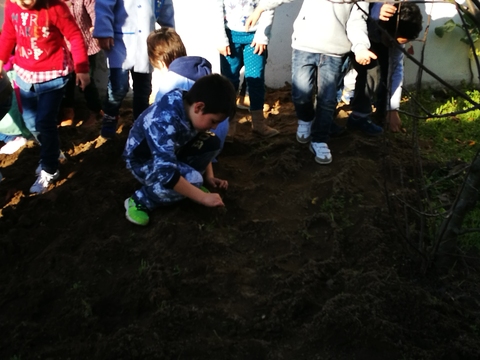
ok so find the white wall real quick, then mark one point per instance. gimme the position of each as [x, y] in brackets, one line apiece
[448, 57]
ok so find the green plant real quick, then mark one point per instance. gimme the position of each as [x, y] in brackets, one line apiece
[469, 29]
[144, 266]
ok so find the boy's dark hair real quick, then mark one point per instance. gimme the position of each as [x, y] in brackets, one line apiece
[164, 45]
[406, 22]
[216, 92]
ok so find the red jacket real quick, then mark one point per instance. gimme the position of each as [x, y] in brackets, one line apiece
[39, 37]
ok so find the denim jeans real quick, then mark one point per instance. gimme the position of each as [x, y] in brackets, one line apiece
[41, 103]
[242, 55]
[315, 78]
[118, 86]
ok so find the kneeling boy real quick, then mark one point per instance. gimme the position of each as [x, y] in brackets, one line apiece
[169, 149]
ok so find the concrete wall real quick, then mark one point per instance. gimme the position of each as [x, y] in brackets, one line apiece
[448, 57]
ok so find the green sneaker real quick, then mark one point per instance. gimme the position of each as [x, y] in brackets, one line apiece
[136, 213]
[204, 189]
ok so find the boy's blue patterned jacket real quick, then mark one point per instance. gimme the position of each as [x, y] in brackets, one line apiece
[150, 151]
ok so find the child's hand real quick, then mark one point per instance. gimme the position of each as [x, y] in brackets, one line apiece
[224, 50]
[259, 48]
[83, 79]
[105, 43]
[1, 67]
[216, 183]
[212, 200]
[364, 57]
[393, 120]
[252, 19]
[387, 11]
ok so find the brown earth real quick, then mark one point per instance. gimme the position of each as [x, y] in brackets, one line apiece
[303, 263]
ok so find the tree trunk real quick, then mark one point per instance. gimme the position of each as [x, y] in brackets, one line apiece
[451, 226]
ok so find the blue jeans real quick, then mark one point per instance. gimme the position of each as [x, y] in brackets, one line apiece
[242, 54]
[41, 103]
[321, 74]
[118, 86]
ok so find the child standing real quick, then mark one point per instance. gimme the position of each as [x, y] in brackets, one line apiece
[37, 29]
[402, 22]
[240, 48]
[169, 149]
[83, 12]
[324, 32]
[121, 28]
[167, 53]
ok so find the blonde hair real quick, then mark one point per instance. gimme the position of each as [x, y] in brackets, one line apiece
[164, 45]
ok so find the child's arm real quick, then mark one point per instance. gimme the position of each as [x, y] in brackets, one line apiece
[190, 191]
[261, 7]
[103, 26]
[212, 181]
[386, 12]
[221, 39]
[357, 33]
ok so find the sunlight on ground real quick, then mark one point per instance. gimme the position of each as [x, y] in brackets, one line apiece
[77, 150]
[13, 201]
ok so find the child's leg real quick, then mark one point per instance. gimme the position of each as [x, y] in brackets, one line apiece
[142, 88]
[255, 77]
[156, 195]
[304, 72]
[118, 87]
[362, 97]
[233, 63]
[193, 158]
[330, 71]
[92, 97]
[41, 103]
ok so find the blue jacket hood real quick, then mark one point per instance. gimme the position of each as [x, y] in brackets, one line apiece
[191, 67]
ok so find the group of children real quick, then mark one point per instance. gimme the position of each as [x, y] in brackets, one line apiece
[173, 142]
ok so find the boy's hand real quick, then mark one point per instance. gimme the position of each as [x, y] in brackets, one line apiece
[83, 79]
[259, 48]
[224, 50]
[393, 120]
[216, 183]
[105, 43]
[253, 18]
[1, 67]
[387, 11]
[212, 200]
[364, 57]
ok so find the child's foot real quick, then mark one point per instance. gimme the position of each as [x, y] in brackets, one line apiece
[322, 153]
[13, 146]
[303, 131]
[365, 125]
[43, 182]
[136, 213]
[109, 126]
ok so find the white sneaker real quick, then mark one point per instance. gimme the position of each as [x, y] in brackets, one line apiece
[61, 159]
[322, 153]
[303, 131]
[13, 146]
[43, 181]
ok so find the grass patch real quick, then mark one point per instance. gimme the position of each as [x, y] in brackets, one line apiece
[447, 140]
[451, 137]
